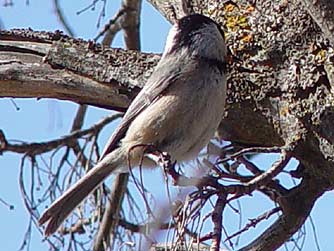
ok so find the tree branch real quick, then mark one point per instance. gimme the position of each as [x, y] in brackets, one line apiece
[217, 219]
[34, 64]
[106, 233]
[298, 205]
[32, 149]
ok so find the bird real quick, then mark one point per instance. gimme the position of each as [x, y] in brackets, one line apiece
[177, 111]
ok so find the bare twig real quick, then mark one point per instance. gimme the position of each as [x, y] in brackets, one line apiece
[217, 219]
[127, 18]
[250, 150]
[273, 187]
[111, 215]
[77, 125]
[254, 222]
[43, 147]
[62, 18]
[110, 29]
[260, 180]
[29, 203]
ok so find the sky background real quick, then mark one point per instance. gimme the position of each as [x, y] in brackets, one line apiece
[47, 119]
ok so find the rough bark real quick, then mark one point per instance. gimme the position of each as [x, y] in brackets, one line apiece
[47, 65]
[322, 12]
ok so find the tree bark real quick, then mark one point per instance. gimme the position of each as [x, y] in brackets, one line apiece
[46, 65]
[322, 11]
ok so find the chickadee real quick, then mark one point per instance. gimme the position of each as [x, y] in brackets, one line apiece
[177, 111]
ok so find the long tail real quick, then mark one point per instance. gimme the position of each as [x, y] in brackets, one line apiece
[64, 205]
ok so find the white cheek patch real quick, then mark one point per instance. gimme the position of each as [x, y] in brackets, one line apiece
[170, 40]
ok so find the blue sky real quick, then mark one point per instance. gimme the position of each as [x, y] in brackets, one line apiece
[49, 119]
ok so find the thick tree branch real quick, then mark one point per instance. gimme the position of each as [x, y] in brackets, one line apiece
[299, 203]
[33, 64]
[131, 24]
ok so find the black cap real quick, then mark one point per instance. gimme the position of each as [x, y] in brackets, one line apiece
[188, 25]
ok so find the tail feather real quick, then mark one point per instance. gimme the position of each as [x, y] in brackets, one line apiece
[64, 205]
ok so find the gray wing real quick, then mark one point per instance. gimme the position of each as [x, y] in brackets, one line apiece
[163, 76]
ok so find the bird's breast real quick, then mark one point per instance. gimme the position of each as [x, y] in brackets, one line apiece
[183, 119]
